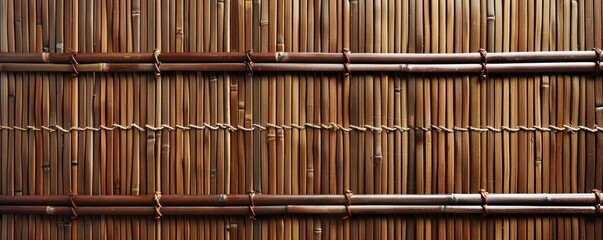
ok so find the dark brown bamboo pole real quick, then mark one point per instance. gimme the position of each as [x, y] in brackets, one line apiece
[301, 57]
[514, 68]
[4, 95]
[304, 209]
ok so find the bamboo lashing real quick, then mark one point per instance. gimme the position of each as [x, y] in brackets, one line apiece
[373, 119]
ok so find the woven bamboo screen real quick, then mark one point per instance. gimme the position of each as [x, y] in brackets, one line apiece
[252, 134]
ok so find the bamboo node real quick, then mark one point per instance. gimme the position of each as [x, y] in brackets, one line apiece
[59, 47]
[158, 206]
[251, 204]
[484, 72]
[484, 194]
[348, 203]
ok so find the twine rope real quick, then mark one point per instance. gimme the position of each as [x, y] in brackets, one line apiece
[251, 204]
[484, 194]
[249, 62]
[158, 206]
[597, 201]
[72, 196]
[288, 127]
[484, 72]
[346, 64]
[157, 63]
[598, 59]
[348, 203]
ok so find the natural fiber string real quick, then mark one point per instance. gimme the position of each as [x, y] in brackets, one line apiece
[74, 62]
[157, 64]
[598, 59]
[329, 126]
[249, 62]
[346, 64]
[348, 203]
[484, 195]
[158, 206]
[484, 72]
[597, 201]
[72, 196]
[251, 204]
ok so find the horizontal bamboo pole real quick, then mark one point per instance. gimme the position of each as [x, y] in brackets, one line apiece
[300, 57]
[494, 68]
[298, 209]
[265, 200]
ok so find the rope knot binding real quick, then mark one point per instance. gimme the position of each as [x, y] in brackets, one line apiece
[74, 63]
[72, 196]
[249, 62]
[346, 64]
[251, 205]
[597, 201]
[157, 63]
[484, 195]
[348, 203]
[484, 72]
[598, 59]
[158, 206]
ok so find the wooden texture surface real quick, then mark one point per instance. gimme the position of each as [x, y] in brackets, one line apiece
[315, 158]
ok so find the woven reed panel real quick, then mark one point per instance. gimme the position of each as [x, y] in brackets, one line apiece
[505, 134]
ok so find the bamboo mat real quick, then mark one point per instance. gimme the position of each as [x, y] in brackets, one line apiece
[497, 140]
